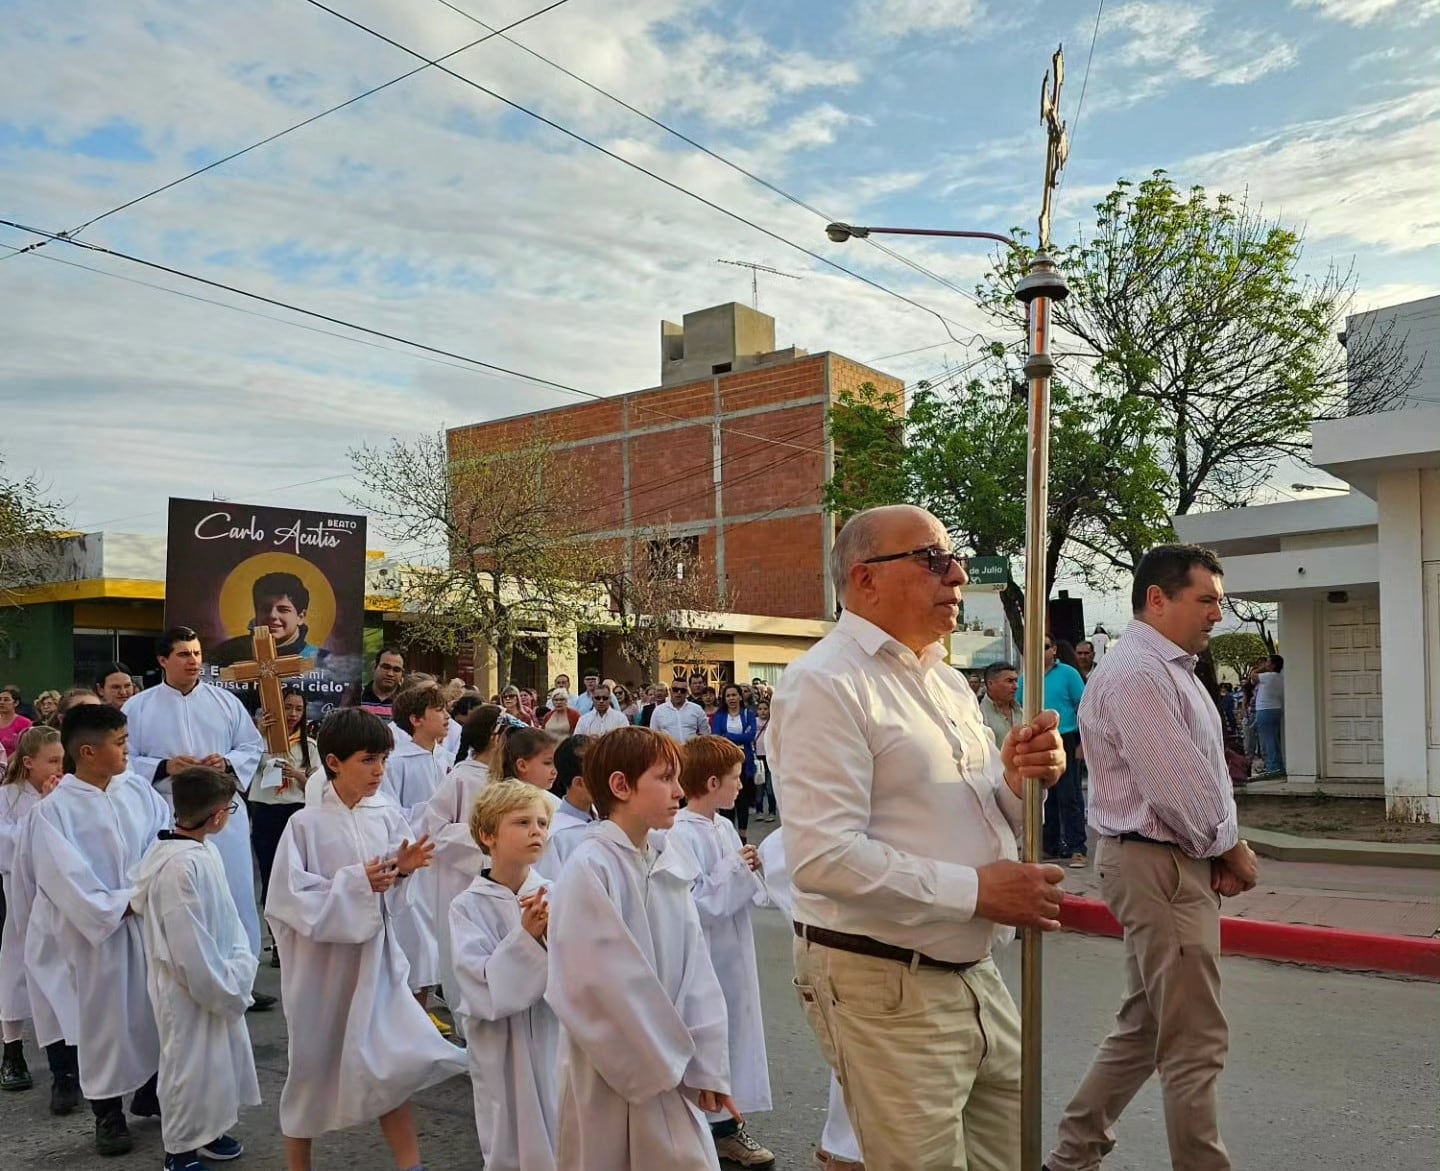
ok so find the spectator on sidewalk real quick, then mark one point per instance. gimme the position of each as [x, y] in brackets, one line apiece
[1270, 714]
[1065, 835]
[999, 708]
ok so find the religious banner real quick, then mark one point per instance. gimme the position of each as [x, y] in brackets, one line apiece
[230, 568]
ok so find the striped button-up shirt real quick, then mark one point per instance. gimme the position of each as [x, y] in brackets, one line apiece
[1155, 749]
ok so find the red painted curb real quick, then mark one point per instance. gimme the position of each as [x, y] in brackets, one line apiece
[1296, 943]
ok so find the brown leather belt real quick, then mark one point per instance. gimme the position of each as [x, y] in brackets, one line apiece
[865, 946]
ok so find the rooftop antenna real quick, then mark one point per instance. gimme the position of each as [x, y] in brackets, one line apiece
[755, 271]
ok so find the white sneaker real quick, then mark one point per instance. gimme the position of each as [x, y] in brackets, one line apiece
[739, 1148]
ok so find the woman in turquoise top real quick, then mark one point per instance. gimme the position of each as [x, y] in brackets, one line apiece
[1065, 803]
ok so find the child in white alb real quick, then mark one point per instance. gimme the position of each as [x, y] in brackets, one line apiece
[498, 928]
[201, 973]
[574, 817]
[725, 890]
[644, 1049]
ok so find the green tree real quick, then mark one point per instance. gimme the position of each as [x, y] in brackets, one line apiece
[960, 452]
[1239, 650]
[29, 519]
[1198, 306]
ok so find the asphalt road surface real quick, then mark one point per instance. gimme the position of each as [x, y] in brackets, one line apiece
[1327, 1070]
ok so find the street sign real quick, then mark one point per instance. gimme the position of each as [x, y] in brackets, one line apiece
[987, 574]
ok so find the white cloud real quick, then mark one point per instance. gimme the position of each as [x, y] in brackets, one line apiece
[1363, 177]
[1149, 46]
[896, 19]
[1362, 12]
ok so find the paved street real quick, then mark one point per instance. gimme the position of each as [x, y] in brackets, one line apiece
[1327, 1070]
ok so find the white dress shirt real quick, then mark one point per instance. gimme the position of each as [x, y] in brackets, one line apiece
[596, 723]
[893, 793]
[1155, 748]
[683, 723]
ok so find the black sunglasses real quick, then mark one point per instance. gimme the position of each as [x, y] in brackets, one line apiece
[937, 560]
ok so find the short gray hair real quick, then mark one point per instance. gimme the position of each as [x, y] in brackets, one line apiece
[855, 542]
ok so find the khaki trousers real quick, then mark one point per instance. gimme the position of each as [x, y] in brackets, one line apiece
[928, 1060]
[1170, 1021]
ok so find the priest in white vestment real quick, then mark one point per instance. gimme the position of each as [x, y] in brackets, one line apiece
[185, 721]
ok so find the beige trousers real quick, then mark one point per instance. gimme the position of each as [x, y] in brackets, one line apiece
[1170, 1021]
[928, 1060]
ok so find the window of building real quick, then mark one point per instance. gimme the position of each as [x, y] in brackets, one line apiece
[681, 553]
[769, 672]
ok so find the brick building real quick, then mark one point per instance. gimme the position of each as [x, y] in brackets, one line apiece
[729, 453]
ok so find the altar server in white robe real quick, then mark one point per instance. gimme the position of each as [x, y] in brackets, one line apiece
[458, 859]
[360, 1045]
[644, 1046]
[412, 775]
[33, 770]
[89, 834]
[724, 892]
[511, 1035]
[838, 1145]
[185, 721]
[201, 972]
[575, 815]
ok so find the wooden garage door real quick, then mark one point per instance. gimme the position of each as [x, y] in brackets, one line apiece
[1354, 739]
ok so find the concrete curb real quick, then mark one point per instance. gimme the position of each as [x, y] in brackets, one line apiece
[1287, 942]
[1338, 851]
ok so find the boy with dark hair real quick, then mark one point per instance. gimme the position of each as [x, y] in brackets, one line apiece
[727, 885]
[645, 1030]
[201, 971]
[412, 774]
[359, 1044]
[282, 603]
[575, 814]
[88, 836]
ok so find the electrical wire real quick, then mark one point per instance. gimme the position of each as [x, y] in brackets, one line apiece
[634, 166]
[291, 129]
[705, 150]
[1084, 83]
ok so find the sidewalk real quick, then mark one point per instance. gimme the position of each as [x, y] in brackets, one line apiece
[1378, 900]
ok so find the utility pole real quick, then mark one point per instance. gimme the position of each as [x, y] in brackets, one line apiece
[1041, 286]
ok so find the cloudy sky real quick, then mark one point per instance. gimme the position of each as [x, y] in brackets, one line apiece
[435, 212]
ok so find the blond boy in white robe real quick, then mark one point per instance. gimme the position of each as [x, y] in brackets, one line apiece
[360, 1045]
[630, 978]
[498, 927]
[201, 972]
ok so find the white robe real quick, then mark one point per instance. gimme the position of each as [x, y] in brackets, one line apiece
[723, 895]
[643, 1012]
[201, 971]
[49, 980]
[360, 1045]
[838, 1137]
[411, 777]
[511, 1034]
[458, 859]
[86, 841]
[16, 802]
[165, 723]
[568, 827]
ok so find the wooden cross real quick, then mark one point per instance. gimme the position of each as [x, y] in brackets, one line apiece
[268, 669]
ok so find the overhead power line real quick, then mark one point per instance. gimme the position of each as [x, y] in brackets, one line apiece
[1085, 81]
[290, 129]
[634, 166]
[703, 149]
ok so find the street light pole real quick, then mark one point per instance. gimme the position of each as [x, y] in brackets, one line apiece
[1041, 287]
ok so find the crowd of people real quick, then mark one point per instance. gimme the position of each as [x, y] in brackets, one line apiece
[405, 849]
[573, 880]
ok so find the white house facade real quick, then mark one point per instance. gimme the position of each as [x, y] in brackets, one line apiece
[1357, 582]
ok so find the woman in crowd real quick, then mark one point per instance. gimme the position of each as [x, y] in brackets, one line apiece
[47, 707]
[12, 724]
[626, 704]
[559, 719]
[737, 723]
[510, 700]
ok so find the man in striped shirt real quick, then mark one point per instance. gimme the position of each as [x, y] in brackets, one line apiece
[1161, 801]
